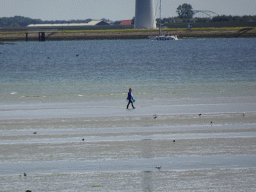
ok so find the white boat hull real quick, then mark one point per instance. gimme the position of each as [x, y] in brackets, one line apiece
[163, 38]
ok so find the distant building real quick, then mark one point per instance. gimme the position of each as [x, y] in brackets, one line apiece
[126, 22]
[91, 23]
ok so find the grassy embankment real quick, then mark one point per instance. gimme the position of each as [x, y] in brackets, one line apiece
[183, 32]
[129, 33]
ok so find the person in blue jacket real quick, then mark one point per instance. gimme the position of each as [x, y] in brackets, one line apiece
[130, 99]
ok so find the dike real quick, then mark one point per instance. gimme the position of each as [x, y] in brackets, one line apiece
[128, 34]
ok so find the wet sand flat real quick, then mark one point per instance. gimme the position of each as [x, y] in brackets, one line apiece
[241, 179]
[72, 147]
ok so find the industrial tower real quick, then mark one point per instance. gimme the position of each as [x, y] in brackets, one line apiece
[144, 14]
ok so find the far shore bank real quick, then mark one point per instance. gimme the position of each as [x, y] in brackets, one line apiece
[230, 32]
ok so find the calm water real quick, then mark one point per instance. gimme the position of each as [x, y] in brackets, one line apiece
[101, 70]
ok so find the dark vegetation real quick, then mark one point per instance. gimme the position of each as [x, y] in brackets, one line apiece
[186, 16]
[217, 21]
[185, 11]
[19, 21]
[219, 18]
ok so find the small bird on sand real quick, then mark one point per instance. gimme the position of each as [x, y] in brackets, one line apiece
[159, 167]
[199, 114]
[25, 174]
[155, 116]
[173, 141]
[35, 133]
[211, 122]
[83, 139]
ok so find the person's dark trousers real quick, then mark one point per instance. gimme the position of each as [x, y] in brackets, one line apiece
[130, 101]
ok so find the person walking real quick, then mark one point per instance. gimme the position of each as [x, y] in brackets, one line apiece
[130, 99]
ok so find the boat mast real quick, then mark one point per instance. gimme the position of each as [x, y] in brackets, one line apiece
[160, 18]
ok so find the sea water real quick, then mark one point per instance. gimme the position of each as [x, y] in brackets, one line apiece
[195, 115]
[105, 70]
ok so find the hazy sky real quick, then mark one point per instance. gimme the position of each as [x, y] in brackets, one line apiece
[114, 9]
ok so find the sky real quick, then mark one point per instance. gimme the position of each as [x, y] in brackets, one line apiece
[114, 9]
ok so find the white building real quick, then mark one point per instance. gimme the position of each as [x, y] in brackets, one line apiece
[91, 23]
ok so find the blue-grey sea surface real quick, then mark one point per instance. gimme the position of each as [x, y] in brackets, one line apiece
[60, 71]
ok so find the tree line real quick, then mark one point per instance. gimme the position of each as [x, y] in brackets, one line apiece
[186, 14]
[19, 21]
[219, 18]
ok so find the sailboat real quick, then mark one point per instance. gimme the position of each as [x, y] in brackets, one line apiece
[165, 37]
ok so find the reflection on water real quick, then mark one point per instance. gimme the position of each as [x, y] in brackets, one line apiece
[146, 150]
[147, 181]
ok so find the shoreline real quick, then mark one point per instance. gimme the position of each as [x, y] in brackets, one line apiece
[126, 34]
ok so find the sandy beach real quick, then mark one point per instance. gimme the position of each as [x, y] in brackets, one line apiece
[186, 180]
[214, 144]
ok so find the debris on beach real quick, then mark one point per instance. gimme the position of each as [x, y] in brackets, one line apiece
[96, 186]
